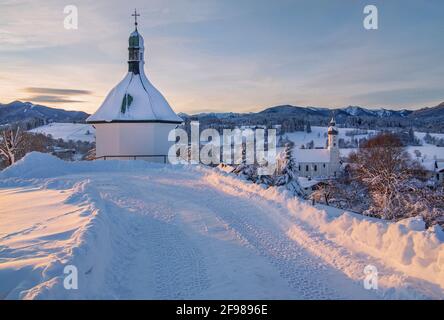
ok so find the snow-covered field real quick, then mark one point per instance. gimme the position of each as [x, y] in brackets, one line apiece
[68, 131]
[319, 136]
[139, 230]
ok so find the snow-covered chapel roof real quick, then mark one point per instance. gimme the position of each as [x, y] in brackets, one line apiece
[135, 99]
[311, 155]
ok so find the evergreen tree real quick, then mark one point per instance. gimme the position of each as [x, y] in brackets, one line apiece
[288, 176]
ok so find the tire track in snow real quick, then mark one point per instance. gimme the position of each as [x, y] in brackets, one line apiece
[293, 263]
[163, 264]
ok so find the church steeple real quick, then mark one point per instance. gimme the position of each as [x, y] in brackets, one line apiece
[332, 127]
[135, 15]
[135, 49]
[333, 147]
[332, 134]
[135, 99]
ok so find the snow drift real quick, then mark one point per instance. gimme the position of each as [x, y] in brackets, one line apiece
[404, 245]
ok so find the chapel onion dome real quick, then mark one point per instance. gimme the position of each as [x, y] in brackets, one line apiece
[136, 43]
[332, 127]
[135, 40]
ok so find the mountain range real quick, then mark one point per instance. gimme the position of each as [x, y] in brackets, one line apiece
[350, 111]
[26, 112]
[430, 119]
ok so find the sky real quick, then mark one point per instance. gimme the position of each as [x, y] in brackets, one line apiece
[227, 56]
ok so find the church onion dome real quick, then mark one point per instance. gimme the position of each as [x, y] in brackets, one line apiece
[332, 127]
[135, 40]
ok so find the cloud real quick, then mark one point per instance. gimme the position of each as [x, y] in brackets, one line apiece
[57, 91]
[54, 95]
[51, 99]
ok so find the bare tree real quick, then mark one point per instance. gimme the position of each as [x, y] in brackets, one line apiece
[323, 193]
[383, 166]
[90, 155]
[10, 145]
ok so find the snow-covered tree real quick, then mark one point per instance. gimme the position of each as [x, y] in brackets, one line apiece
[384, 167]
[288, 172]
[10, 145]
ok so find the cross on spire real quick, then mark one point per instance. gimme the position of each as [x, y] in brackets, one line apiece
[135, 15]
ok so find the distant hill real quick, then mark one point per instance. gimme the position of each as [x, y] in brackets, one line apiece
[426, 119]
[351, 111]
[26, 112]
[433, 114]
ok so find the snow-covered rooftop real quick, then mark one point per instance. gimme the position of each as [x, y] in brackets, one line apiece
[147, 103]
[307, 183]
[311, 155]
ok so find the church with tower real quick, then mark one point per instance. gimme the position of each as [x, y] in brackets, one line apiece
[320, 163]
[135, 119]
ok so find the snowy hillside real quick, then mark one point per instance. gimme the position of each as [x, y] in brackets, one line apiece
[140, 230]
[319, 136]
[68, 131]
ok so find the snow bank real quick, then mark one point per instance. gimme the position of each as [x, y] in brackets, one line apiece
[45, 230]
[36, 165]
[42, 165]
[405, 245]
[89, 251]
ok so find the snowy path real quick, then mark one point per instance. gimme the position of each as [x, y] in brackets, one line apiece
[171, 233]
[182, 238]
[190, 240]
